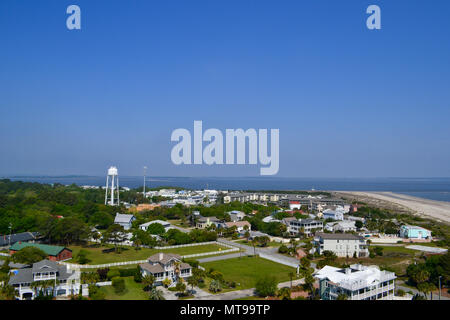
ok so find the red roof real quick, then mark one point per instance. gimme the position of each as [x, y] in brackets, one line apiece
[294, 202]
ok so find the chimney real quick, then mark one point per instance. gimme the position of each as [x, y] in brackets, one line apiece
[161, 255]
[348, 270]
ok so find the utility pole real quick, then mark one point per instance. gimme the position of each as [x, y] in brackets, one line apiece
[440, 287]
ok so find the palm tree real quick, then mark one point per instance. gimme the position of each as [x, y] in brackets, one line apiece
[294, 245]
[192, 281]
[156, 294]
[148, 281]
[35, 285]
[309, 281]
[284, 293]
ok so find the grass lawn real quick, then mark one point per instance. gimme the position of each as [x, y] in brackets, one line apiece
[133, 291]
[247, 270]
[178, 223]
[269, 244]
[96, 256]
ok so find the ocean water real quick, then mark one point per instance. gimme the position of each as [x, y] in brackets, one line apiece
[429, 188]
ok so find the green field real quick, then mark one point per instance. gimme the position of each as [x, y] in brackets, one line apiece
[96, 256]
[246, 271]
[269, 244]
[396, 258]
[133, 291]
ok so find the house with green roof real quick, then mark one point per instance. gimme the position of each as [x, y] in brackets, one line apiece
[55, 253]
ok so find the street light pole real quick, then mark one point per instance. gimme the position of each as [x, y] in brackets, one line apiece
[145, 171]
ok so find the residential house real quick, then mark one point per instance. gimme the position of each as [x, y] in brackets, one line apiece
[125, 220]
[166, 266]
[204, 222]
[256, 234]
[167, 226]
[65, 281]
[357, 282]
[236, 215]
[294, 205]
[342, 244]
[335, 214]
[9, 239]
[240, 226]
[414, 232]
[270, 219]
[341, 226]
[54, 253]
[305, 226]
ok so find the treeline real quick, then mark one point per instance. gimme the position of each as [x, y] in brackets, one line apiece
[28, 206]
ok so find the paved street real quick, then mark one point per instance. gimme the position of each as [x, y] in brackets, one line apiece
[398, 285]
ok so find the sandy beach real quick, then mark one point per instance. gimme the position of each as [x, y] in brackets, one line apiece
[437, 210]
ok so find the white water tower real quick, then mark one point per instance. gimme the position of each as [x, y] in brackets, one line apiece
[112, 183]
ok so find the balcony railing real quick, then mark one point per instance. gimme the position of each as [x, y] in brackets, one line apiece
[50, 277]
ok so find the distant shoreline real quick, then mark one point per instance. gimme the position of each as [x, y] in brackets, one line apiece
[437, 210]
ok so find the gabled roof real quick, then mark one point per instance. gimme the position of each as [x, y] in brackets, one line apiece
[48, 249]
[24, 236]
[238, 224]
[211, 219]
[164, 223]
[45, 266]
[152, 268]
[164, 258]
[123, 218]
[25, 275]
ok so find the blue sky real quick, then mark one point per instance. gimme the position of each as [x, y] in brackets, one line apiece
[349, 102]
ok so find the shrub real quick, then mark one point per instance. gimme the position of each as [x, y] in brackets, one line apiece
[129, 272]
[138, 275]
[215, 286]
[118, 284]
[82, 257]
[95, 293]
[103, 273]
[166, 282]
[113, 273]
[266, 286]
[216, 275]
[283, 249]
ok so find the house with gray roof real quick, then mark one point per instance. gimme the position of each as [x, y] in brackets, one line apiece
[8, 240]
[342, 244]
[125, 220]
[166, 266]
[65, 282]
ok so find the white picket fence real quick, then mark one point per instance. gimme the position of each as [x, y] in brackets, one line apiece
[123, 263]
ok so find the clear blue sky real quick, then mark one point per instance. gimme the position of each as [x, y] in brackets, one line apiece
[349, 102]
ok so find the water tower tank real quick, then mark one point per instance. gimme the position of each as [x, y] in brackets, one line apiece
[112, 171]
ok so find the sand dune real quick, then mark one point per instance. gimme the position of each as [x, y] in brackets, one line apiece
[438, 210]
